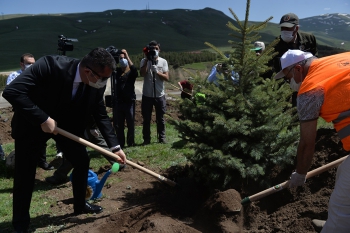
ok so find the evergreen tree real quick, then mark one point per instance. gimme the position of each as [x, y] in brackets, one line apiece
[243, 129]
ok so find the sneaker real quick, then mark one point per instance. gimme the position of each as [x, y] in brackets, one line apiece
[318, 224]
[59, 155]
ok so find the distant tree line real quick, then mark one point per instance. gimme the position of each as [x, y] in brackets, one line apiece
[177, 59]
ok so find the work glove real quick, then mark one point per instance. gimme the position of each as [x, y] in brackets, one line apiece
[297, 179]
[154, 68]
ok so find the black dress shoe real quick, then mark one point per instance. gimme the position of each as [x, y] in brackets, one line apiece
[89, 209]
[45, 166]
[55, 181]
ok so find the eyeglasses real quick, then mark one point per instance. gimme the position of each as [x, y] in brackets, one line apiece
[96, 74]
[286, 79]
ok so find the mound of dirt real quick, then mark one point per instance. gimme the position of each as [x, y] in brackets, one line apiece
[136, 202]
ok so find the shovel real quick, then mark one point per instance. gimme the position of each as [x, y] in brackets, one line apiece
[114, 156]
[285, 184]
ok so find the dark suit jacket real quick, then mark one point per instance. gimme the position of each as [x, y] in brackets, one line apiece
[45, 90]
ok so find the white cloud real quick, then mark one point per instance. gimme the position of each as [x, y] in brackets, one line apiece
[326, 9]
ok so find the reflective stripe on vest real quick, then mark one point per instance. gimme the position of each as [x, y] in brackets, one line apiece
[344, 132]
[341, 117]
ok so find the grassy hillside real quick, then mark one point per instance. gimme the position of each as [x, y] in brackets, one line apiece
[176, 30]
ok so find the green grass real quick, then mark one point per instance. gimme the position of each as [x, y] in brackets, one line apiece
[196, 66]
[155, 155]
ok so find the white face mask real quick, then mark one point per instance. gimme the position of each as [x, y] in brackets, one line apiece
[123, 62]
[287, 36]
[99, 84]
[293, 85]
[156, 53]
[26, 66]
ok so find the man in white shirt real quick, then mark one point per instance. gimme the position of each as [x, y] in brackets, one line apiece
[26, 61]
[155, 71]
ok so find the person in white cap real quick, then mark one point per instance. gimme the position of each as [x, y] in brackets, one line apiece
[292, 38]
[323, 87]
[259, 47]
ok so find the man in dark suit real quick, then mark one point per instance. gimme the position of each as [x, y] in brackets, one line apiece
[64, 92]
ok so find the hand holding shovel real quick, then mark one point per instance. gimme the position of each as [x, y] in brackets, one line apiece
[285, 184]
[112, 155]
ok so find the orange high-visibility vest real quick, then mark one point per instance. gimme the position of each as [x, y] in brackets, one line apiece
[332, 73]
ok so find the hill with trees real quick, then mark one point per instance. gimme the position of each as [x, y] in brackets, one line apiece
[177, 30]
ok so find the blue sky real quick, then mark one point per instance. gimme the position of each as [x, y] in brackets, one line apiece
[259, 10]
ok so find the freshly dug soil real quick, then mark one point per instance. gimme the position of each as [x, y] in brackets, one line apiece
[136, 202]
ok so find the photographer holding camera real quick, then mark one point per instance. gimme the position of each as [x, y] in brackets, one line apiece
[124, 99]
[155, 70]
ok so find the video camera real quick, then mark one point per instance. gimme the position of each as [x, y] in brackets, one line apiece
[150, 51]
[114, 52]
[64, 45]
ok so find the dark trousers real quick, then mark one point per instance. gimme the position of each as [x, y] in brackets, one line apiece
[28, 151]
[294, 98]
[42, 157]
[66, 166]
[146, 108]
[124, 112]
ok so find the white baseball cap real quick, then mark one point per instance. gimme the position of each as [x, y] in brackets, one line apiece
[292, 57]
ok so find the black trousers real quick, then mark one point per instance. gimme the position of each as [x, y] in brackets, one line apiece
[66, 166]
[146, 108]
[294, 98]
[28, 151]
[124, 112]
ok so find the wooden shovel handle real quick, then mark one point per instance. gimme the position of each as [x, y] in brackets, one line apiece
[179, 89]
[285, 184]
[112, 155]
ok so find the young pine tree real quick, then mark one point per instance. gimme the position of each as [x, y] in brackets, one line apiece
[240, 129]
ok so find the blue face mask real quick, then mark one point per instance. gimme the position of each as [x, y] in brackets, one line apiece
[123, 62]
